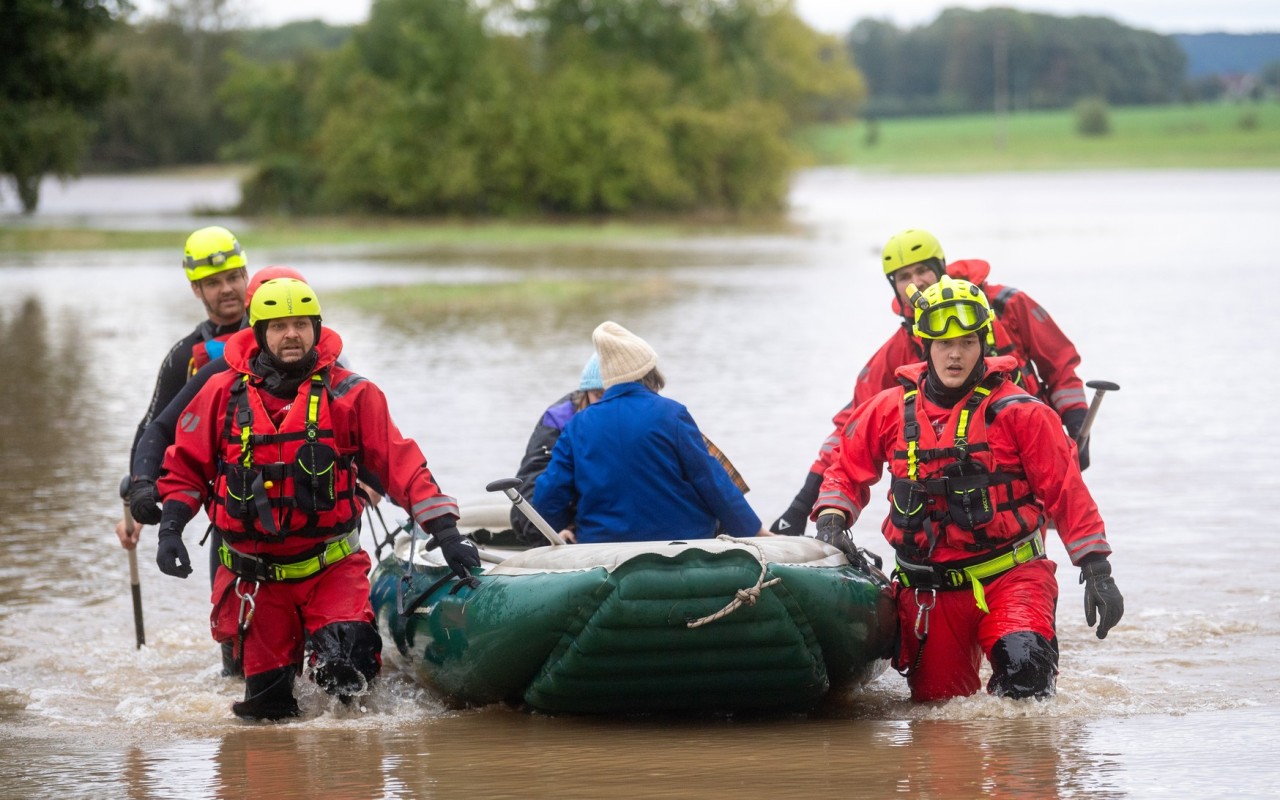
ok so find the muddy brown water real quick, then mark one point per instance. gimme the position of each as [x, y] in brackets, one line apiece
[1162, 279]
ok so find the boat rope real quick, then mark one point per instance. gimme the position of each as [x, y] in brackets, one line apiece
[742, 597]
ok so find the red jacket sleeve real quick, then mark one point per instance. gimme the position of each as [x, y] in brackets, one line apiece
[875, 377]
[396, 460]
[191, 461]
[860, 458]
[1053, 354]
[1035, 438]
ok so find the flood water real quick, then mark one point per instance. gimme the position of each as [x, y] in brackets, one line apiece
[1163, 280]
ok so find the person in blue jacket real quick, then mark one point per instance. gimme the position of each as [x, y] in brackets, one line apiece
[537, 454]
[634, 466]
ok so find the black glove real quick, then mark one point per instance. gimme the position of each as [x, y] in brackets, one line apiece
[459, 552]
[794, 520]
[1073, 421]
[144, 501]
[832, 531]
[171, 554]
[1102, 600]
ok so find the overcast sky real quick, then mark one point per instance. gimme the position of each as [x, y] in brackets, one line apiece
[837, 16]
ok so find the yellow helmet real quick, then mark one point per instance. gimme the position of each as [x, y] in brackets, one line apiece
[210, 251]
[911, 247]
[949, 309]
[283, 297]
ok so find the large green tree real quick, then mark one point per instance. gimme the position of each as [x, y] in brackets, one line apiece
[52, 78]
[562, 106]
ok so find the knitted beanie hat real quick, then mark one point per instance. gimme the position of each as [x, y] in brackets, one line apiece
[591, 375]
[624, 357]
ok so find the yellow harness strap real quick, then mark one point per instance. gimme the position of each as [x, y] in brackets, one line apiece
[1024, 551]
[335, 550]
[1029, 549]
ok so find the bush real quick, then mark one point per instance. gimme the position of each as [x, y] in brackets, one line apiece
[1092, 117]
[281, 185]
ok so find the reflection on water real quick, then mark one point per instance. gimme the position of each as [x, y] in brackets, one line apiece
[43, 417]
[761, 339]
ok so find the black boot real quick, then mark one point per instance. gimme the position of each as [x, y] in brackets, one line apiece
[268, 695]
[345, 657]
[229, 666]
[1024, 664]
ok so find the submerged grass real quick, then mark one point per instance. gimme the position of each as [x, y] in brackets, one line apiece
[1199, 136]
[26, 239]
[420, 304]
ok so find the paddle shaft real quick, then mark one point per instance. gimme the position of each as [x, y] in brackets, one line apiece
[135, 583]
[1100, 389]
[532, 513]
[508, 487]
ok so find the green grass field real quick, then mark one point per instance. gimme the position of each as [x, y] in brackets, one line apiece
[1200, 136]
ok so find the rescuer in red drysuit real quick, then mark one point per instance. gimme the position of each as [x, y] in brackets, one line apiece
[976, 463]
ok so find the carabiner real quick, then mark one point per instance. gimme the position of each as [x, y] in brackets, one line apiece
[922, 612]
[246, 602]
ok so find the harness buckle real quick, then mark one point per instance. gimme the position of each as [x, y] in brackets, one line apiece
[955, 578]
[1031, 553]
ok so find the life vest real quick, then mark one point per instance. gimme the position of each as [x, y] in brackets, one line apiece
[950, 487]
[209, 348]
[291, 481]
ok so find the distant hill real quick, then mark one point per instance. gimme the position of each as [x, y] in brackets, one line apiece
[1225, 53]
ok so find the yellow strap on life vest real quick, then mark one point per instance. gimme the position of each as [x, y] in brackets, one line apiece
[313, 403]
[962, 424]
[913, 463]
[246, 449]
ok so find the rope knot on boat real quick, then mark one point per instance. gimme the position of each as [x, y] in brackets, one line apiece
[742, 597]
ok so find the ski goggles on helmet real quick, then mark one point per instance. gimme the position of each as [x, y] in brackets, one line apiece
[951, 320]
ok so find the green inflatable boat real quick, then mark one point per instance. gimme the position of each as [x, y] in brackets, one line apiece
[769, 624]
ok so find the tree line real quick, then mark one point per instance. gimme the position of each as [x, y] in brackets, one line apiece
[968, 61]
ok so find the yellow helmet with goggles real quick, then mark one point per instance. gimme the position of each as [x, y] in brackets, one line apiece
[283, 297]
[949, 309]
[210, 251]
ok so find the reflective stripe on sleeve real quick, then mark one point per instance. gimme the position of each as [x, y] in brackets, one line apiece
[1065, 398]
[438, 506]
[832, 499]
